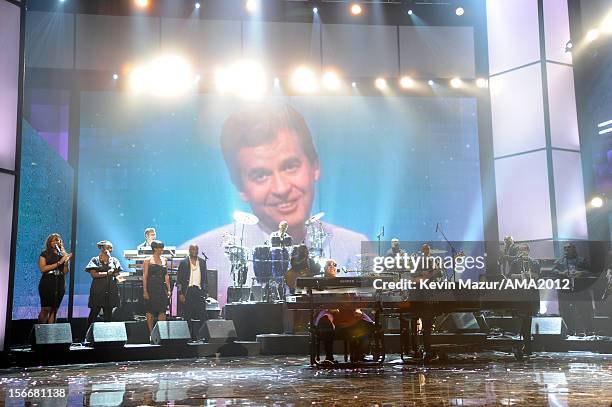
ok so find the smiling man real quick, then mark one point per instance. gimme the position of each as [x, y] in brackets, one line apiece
[272, 161]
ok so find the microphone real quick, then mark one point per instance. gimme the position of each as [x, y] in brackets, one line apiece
[383, 230]
[205, 256]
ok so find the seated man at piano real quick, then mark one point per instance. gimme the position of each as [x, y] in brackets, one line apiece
[348, 323]
[149, 235]
[575, 305]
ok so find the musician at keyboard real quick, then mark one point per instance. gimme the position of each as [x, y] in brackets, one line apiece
[349, 323]
[150, 235]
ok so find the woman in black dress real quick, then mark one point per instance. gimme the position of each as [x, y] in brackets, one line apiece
[156, 285]
[104, 292]
[53, 264]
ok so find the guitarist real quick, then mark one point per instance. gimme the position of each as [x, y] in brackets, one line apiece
[301, 266]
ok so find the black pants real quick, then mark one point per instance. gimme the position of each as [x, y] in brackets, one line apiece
[358, 334]
[577, 311]
[194, 309]
[427, 323]
[526, 331]
[94, 311]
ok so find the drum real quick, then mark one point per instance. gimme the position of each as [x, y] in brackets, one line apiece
[262, 265]
[280, 262]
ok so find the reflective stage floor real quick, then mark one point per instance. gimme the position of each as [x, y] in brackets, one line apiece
[554, 379]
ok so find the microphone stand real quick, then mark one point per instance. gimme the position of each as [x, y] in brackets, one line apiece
[453, 250]
[378, 236]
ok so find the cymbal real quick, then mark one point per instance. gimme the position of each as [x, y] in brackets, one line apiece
[437, 251]
[315, 217]
[245, 218]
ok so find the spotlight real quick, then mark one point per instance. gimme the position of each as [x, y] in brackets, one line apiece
[356, 9]
[380, 83]
[592, 35]
[606, 24]
[276, 82]
[354, 84]
[244, 78]
[481, 82]
[459, 11]
[141, 3]
[406, 82]
[252, 5]
[170, 76]
[197, 5]
[315, 10]
[456, 83]
[115, 76]
[331, 81]
[197, 78]
[61, 1]
[304, 80]
[410, 12]
[597, 202]
[568, 46]
[430, 82]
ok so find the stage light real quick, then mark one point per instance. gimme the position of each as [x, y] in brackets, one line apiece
[169, 76]
[197, 78]
[456, 83]
[276, 82]
[430, 82]
[331, 81]
[410, 12]
[568, 46]
[141, 3]
[115, 76]
[356, 9]
[380, 83]
[597, 202]
[61, 1]
[606, 24]
[592, 35]
[354, 84]
[249, 80]
[138, 79]
[406, 82]
[252, 5]
[459, 11]
[197, 5]
[481, 82]
[315, 10]
[304, 80]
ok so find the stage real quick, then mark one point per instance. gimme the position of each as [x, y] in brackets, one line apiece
[559, 379]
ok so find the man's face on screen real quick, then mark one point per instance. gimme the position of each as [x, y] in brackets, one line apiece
[278, 180]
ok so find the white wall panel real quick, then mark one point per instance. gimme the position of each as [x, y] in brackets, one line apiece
[562, 106]
[517, 111]
[437, 52]
[9, 78]
[283, 46]
[513, 33]
[7, 182]
[49, 40]
[556, 31]
[569, 195]
[207, 42]
[361, 50]
[523, 202]
[110, 42]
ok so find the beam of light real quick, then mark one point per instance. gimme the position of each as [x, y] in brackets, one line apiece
[456, 83]
[406, 82]
[597, 202]
[331, 81]
[170, 76]
[252, 5]
[606, 24]
[481, 83]
[304, 80]
[380, 83]
[356, 9]
[592, 35]
[246, 79]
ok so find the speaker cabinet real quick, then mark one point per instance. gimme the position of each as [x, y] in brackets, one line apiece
[218, 331]
[107, 334]
[51, 337]
[548, 326]
[173, 333]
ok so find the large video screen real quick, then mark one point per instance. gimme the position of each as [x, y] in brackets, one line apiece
[184, 167]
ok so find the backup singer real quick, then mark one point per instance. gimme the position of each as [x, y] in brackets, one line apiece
[192, 289]
[346, 324]
[53, 264]
[104, 292]
[156, 285]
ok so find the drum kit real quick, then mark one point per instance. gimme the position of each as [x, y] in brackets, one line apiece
[270, 264]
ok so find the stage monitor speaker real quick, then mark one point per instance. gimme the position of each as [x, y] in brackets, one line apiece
[458, 322]
[168, 333]
[107, 334]
[548, 326]
[51, 337]
[218, 331]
